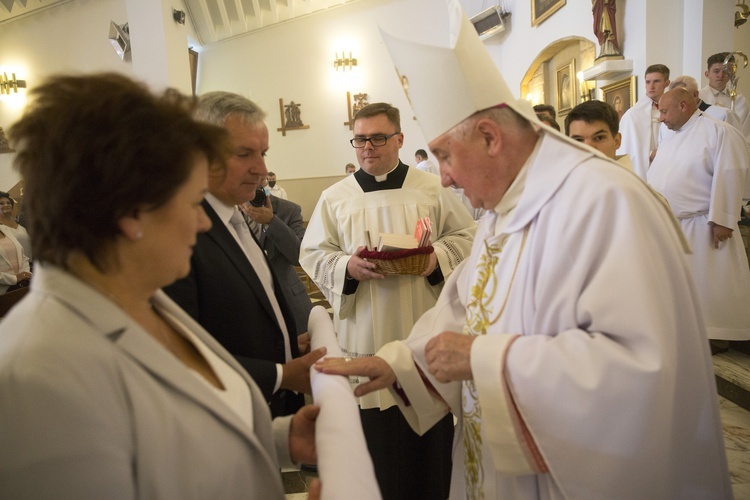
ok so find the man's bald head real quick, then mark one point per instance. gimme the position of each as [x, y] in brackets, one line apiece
[676, 107]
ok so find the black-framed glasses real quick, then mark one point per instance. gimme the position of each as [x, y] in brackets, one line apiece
[375, 140]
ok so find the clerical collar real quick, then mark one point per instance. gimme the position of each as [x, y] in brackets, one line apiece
[391, 180]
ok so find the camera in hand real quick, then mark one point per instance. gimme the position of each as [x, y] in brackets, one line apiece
[260, 198]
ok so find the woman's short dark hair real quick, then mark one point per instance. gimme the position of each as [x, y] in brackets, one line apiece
[3, 194]
[93, 149]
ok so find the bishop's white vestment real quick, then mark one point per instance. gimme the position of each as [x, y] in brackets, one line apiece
[592, 377]
[381, 311]
[701, 170]
[637, 126]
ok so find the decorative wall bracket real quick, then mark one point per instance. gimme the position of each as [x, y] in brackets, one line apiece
[291, 118]
[360, 101]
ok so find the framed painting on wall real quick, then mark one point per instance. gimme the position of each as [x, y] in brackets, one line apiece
[542, 9]
[621, 95]
[566, 97]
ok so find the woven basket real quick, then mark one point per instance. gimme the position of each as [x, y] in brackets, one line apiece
[411, 261]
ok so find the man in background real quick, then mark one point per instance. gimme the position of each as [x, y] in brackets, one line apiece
[701, 170]
[372, 309]
[424, 164]
[349, 169]
[719, 112]
[545, 110]
[640, 124]
[276, 190]
[279, 229]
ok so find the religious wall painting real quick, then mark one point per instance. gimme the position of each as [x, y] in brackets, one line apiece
[621, 95]
[566, 96]
[542, 9]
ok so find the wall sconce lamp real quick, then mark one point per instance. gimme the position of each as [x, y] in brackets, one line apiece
[343, 61]
[587, 87]
[10, 84]
[178, 16]
[740, 18]
[119, 37]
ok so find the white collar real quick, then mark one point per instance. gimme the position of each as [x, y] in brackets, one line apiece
[223, 210]
[381, 178]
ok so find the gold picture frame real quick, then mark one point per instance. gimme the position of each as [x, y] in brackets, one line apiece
[542, 9]
[566, 88]
[621, 95]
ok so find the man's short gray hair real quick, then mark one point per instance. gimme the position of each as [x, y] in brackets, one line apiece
[684, 81]
[216, 107]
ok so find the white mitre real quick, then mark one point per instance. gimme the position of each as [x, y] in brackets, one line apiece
[446, 85]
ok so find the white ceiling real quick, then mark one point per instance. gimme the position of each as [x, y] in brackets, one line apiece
[216, 20]
[10, 9]
[213, 20]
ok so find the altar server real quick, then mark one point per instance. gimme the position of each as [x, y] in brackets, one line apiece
[701, 170]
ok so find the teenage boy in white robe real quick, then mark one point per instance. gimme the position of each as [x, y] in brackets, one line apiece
[570, 344]
[717, 94]
[701, 170]
[639, 125]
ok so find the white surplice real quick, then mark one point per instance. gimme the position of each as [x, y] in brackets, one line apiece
[636, 129]
[716, 98]
[594, 377]
[381, 311]
[701, 170]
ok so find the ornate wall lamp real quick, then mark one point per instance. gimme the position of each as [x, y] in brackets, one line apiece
[10, 85]
[344, 62]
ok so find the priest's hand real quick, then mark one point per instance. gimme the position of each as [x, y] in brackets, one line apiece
[431, 265]
[295, 375]
[302, 435]
[379, 372]
[361, 269]
[720, 233]
[448, 356]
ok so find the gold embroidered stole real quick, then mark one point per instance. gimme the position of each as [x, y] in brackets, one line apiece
[480, 314]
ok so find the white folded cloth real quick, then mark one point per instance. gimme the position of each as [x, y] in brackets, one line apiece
[344, 464]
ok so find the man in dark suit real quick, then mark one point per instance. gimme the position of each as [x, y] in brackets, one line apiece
[279, 228]
[231, 289]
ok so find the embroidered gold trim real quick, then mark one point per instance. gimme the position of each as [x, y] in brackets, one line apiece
[479, 316]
